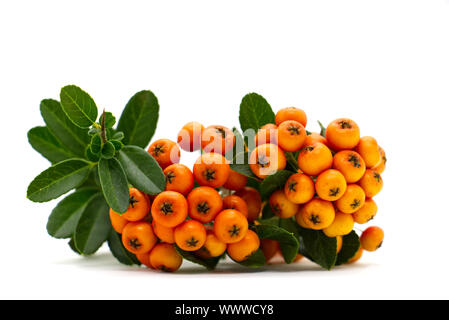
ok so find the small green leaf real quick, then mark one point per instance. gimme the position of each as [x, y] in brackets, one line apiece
[322, 129]
[317, 247]
[79, 106]
[93, 226]
[209, 264]
[58, 180]
[267, 212]
[292, 160]
[142, 170]
[64, 217]
[119, 251]
[117, 144]
[73, 246]
[114, 184]
[255, 112]
[139, 119]
[108, 150]
[118, 136]
[351, 244]
[240, 164]
[109, 120]
[71, 137]
[95, 144]
[255, 260]
[91, 156]
[274, 182]
[44, 142]
[288, 241]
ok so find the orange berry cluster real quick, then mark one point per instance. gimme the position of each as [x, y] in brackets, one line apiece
[337, 177]
[333, 186]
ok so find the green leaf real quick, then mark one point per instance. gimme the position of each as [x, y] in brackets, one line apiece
[322, 129]
[118, 250]
[351, 244]
[95, 144]
[64, 217]
[93, 226]
[73, 246]
[239, 145]
[240, 164]
[255, 112]
[109, 120]
[44, 142]
[58, 180]
[139, 119]
[267, 212]
[117, 144]
[288, 241]
[114, 184]
[91, 156]
[292, 160]
[79, 106]
[318, 247]
[118, 136]
[142, 170]
[108, 150]
[71, 137]
[274, 182]
[209, 264]
[255, 260]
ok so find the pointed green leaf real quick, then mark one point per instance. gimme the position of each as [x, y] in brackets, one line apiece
[114, 184]
[73, 246]
[317, 247]
[139, 119]
[255, 260]
[118, 136]
[117, 144]
[240, 164]
[274, 182]
[288, 241]
[71, 137]
[64, 217]
[44, 142]
[93, 226]
[351, 244]
[255, 112]
[267, 212]
[119, 251]
[142, 170]
[209, 264]
[108, 150]
[58, 180]
[79, 106]
[109, 120]
[91, 156]
[95, 144]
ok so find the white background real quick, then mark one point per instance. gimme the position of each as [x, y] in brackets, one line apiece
[385, 64]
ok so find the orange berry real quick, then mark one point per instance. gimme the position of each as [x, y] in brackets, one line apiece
[211, 169]
[330, 185]
[267, 134]
[317, 214]
[366, 213]
[241, 250]
[266, 160]
[372, 238]
[169, 209]
[237, 203]
[138, 237]
[165, 151]
[371, 183]
[291, 135]
[190, 235]
[352, 200]
[350, 164]
[236, 181]
[230, 226]
[164, 257]
[281, 206]
[204, 204]
[299, 188]
[369, 150]
[165, 234]
[253, 201]
[291, 113]
[189, 138]
[342, 134]
[217, 139]
[313, 160]
[178, 178]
